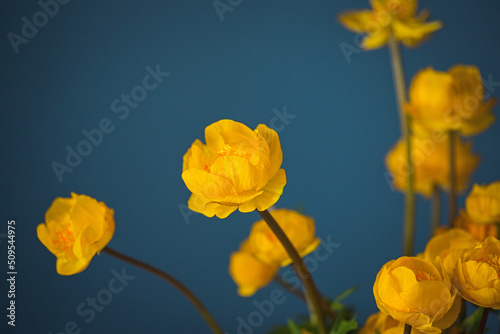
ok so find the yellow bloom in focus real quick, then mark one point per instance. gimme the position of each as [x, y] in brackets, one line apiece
[249, 273]
[453, 100]
[411, 290]
[477, 274]
[478, 231]
[444, 249]
[75, 229]
[396, 17]
[381, 323]
[431, 163]
[238, 168]
[298, 228]
[483, 203]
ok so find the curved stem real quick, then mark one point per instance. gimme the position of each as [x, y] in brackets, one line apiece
[405, 120]
[166, 277]
[453, 192]
[299, 268]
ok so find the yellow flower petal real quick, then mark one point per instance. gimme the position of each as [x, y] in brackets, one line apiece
[357, 20]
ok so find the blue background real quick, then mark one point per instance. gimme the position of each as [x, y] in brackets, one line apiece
[263, 56]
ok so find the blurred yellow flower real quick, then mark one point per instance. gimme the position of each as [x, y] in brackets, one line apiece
[381, 323]
[477, 274]
[453, 100]
[444, 249]
[298, 228]
[411, 290]
[75, 229]
[483, 203]
[249, 273]
[238, 168]
[396, 17]
[478, 231]
[430, 158]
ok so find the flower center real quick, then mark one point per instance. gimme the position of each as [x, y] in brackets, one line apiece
[421, 275]
[493, 261]
[64, 238]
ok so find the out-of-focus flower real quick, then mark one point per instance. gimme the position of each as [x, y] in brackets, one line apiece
[412, 290]
[453, 100]
[381, 323]
[248, 272]
[476, 274]
[431, 163]
[390, 17]
[238, 168]
[483, 203]
[478, 231]
[298, 228]
[444, 249]
[75, 229]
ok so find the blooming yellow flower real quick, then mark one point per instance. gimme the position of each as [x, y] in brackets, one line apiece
[477, 274]
[430, 158]
[75, 229]
[238, 168]
[298, 228]
[411, 290]
[444, 249]
[396, 17]
[249, 273]
[453, 100]
[483, 203]
[478, 231]
[381, 323]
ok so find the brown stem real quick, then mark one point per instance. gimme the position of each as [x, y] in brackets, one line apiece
[482, 322]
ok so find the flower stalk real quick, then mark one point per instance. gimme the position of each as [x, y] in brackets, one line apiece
[453, 191]
[482, 322]
[300, 269]
[435, 209]
[404, 118]
[169, 279]
[407, 329]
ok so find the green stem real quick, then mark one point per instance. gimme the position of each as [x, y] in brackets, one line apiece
[300, 269]
[482, 322]
[407, 329]
[178, 285]
[405, 121]
[453, 192]
[436, 209]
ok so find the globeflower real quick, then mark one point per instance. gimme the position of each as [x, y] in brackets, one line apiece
[476, 274]
[430, 158]
[477, 231]
[412, 290]
[75, 229]
[483, 203]
[453, 100]
[298, 228]
[390, 17]
[238, 168]
[381, 323]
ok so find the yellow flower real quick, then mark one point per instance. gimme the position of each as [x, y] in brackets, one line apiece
[444, 249]
[248, 272]
[381, 323]
[483, 203]
[478, 231]
[238, 168]
[411, 290]
[477, 274]
[453, 100]
[75, 229]
[430, 158]
[397, 17]
[297, 227]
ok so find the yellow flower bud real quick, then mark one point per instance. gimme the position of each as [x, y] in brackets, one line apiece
[297, 227]
[483, 203]
[431, 164]
[477, 274]
[75, 229]
[411, 290]
[238, 168]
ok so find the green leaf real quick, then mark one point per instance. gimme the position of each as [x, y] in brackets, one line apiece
[472, 321]
[345, 326]
[336, 304]
[294, 329]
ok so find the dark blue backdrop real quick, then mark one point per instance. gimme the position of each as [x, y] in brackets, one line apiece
[258, 60]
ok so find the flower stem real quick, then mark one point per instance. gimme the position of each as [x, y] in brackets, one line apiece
[300, 270]
[405, 120]
[435, 209]
[178, 285]
[407, 329]
[482, 322]
[453, 192]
